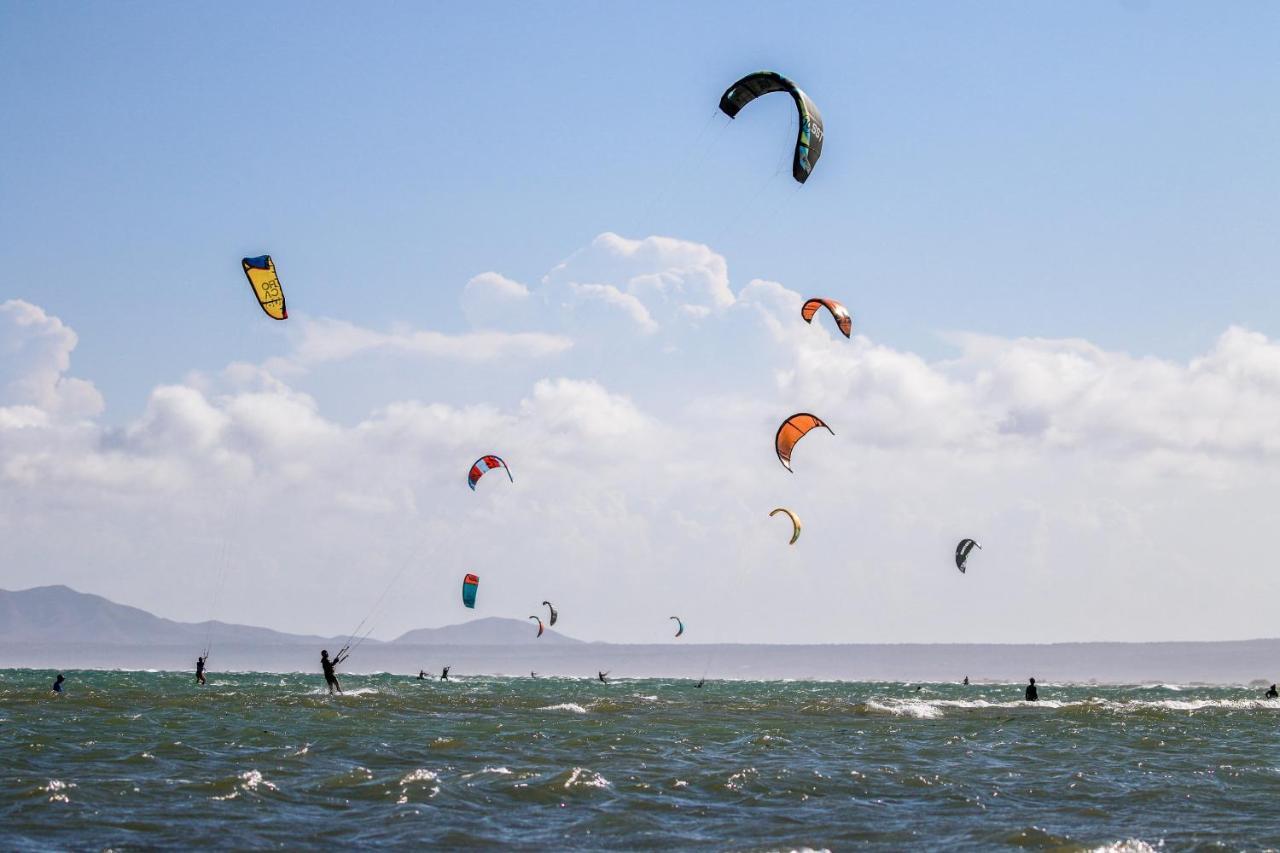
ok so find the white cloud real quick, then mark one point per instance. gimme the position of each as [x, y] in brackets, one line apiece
[317, 341]
[1105, 486]
[35, 355]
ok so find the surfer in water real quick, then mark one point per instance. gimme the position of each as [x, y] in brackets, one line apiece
[603, 676]
[1033, 695]
[533, 674]
[701, 681]
[422, 675]
[57, 683]
[1272, 693]
[444, 674]
[966, 681]
[200, 669]
[331, 677]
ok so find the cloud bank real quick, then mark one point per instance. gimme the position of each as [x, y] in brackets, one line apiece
[1117, 496]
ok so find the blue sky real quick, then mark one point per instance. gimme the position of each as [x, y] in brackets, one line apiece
[1105, 172]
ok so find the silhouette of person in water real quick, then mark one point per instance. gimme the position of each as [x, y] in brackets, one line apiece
[966, 681]
[57, 683]
[444, 674]
[200, 670]
[603, 676]
[1033, 695]
[331, 677]
[1272, 693]
[533, 674]
[422, 675]
[701, 681]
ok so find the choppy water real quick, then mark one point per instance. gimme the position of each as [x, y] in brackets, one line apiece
[254, 760]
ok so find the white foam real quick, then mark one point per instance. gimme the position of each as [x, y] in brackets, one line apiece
[1129, 845]
[566, 706]
[583, 778]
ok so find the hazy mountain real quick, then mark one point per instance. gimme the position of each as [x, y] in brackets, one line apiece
[59, 614]
[490, 631]
[55, 627]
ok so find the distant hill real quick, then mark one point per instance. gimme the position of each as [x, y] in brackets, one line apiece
[59, 615]
[490, 631]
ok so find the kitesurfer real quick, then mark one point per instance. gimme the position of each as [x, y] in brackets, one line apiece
[200, 670]
[422, 675]
[966, 681]
[701, 681]
[444, 674]
[603, 676]
[330, 677]
[533, 674]
[1272, 693]
[57, 683]
[1033, 695]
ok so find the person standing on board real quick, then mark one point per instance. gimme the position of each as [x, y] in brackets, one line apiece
[1033, 695]
[444, 673]
[200, 670]
[331, 677]
[1273, 693]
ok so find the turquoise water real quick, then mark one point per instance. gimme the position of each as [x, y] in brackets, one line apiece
[254, 760]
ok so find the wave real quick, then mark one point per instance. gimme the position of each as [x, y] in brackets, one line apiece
[930, 709]
[566, 706]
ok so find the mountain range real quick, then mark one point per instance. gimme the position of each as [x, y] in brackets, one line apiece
[61, 615]
[54, 627]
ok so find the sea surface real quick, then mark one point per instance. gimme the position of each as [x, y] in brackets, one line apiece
[145, 760]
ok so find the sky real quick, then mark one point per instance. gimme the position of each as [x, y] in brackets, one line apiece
[525, 229]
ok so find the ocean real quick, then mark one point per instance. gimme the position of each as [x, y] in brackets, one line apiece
[148, 759]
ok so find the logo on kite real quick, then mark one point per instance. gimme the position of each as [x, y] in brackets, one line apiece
[792, 430]
[962, 552]
[554, 614]
[539, 621]
[469, 585]
[679, 624]
[483, 464]
[838, 311]
[795, 522]
[261, 272]
[808, 140]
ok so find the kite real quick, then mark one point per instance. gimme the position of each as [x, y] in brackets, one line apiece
[962, 552]
[680, 629]
[808, 140]
[554, 614]
[483, 464]
[469, 585]
[539, 621]
[792, 430]
[795, 522]
[261, 272]
[838, 311]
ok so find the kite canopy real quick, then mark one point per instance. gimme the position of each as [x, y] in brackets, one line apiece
[679, 624]
[809, 139]
[792, 430]
[261, 272]
[838, 311]
[795, 522]
[469, 585]
[554, 614]
[962, 552]
[539, 621]
[483, 464]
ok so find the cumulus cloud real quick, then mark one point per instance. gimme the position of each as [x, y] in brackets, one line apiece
[1095, 478]
[35, 355]
[317, 341]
